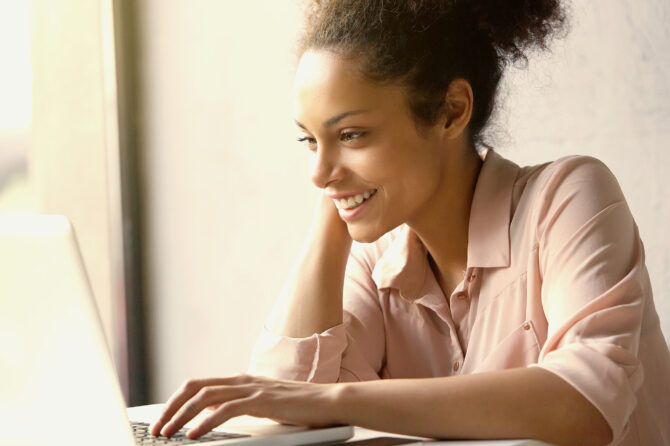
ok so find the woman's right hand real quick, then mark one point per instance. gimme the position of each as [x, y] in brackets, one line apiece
[328, 223]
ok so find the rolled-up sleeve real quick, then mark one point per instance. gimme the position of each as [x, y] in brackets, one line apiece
[594, 287]
[351, 351]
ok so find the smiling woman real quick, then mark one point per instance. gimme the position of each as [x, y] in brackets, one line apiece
[480, 299]
[364, 139]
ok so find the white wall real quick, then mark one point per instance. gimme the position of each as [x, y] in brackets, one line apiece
[227, 194]
[226, 187]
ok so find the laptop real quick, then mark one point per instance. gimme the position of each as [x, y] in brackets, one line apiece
[58, 384]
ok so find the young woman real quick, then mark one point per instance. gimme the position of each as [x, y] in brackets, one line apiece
[493, 301]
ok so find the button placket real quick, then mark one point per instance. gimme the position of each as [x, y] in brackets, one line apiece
[467, 303]
[470, 277]
[464, 292]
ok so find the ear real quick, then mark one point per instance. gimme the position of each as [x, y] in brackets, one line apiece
[458, 108]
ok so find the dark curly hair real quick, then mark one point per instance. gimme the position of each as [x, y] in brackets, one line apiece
[425, 44]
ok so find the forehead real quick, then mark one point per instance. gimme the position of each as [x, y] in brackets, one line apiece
[327, 84]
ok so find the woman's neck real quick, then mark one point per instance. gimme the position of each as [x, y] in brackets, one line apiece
[443, 227]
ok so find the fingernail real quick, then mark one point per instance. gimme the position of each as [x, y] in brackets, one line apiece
[192, 434]
[166, 429]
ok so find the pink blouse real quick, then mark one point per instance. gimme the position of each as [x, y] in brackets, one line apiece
[555, 279]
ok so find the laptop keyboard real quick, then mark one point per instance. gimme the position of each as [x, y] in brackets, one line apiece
[144, 438]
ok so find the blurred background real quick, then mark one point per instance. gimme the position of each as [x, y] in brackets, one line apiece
[163, 129]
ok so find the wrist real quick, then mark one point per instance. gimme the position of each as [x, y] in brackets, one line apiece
[327, 225]
[329, 243]
[340, 397]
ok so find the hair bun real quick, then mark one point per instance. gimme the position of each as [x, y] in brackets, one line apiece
[515, 26]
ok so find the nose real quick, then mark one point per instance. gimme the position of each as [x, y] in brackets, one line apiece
[325, 166]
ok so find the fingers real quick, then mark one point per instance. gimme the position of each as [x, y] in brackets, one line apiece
[183, 394]
[179, 401]
[195, 405]
[226, 411]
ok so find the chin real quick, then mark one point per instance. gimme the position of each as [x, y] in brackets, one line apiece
[364, 234]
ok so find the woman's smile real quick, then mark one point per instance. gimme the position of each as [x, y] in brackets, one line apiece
[350, 201]
[351, 206]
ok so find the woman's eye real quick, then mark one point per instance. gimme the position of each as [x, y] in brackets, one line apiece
[311, 142]
[350, 136]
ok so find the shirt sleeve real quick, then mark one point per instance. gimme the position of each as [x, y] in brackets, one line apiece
[351, 351]
[593, 287]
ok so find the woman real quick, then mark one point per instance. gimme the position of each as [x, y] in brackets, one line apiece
[512, 302]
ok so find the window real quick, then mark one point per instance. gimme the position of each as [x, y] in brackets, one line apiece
[16, 193]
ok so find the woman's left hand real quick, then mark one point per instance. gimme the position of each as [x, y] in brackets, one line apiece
[289, 402]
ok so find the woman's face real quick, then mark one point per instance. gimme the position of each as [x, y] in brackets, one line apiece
[368, 154]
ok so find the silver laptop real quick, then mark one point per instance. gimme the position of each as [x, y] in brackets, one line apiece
[58, 384]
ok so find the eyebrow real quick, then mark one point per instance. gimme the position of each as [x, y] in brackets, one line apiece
[335, 119]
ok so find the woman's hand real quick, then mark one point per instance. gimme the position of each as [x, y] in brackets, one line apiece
[328, 223]
[288, 402]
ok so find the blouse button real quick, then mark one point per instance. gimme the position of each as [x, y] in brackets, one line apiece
[462, 296]
[526, 326]
[456, 366]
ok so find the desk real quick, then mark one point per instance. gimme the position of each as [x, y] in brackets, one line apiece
[149, 413]
[361, 433]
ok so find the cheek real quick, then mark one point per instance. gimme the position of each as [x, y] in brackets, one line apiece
[408, 177]
[412, 189]
[411, 170]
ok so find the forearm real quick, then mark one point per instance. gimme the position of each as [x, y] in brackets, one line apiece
[517, 403]
[311, 299]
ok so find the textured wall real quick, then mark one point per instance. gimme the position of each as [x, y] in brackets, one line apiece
[227, 192]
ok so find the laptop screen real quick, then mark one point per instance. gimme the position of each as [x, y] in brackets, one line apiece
[57, 374]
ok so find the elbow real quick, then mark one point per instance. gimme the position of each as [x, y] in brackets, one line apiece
[595, 434]
[578, 421]
[593, 428]
[598, 435]
[587, 427]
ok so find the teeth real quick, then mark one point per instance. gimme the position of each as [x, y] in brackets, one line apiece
[354, 201]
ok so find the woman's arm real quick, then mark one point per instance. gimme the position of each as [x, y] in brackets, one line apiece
[311, 300]
[516, 403]
[329, 299]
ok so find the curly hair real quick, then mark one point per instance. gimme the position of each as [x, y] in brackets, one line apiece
[425, 44]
